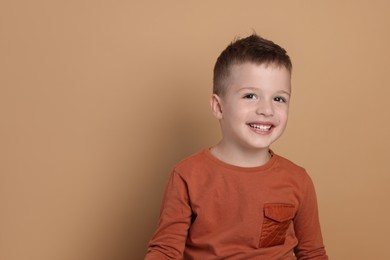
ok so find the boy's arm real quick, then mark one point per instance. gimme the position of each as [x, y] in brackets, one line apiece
[307, 227]
[170, 237]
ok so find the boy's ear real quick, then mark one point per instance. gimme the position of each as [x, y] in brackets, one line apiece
[216, 106]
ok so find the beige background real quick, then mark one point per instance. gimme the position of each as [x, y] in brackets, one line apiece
[99, 99]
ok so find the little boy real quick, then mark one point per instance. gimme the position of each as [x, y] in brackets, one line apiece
[238, 199]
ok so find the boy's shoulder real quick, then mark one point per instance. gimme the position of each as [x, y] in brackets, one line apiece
[283, 161]
[194, 160]
[292, 171]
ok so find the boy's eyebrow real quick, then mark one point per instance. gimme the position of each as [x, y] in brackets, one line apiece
[256, 89]
[285, 92]
[247, 89]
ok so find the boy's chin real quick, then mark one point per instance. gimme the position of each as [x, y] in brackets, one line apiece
[258, 148]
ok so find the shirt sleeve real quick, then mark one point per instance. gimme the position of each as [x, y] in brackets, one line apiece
[170, 237]
[307, 227]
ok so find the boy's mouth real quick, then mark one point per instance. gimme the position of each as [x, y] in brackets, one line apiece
[261, 127]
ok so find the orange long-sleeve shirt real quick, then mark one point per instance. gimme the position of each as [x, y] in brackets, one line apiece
[214, 210]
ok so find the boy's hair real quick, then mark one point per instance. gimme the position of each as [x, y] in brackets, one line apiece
[254, 49]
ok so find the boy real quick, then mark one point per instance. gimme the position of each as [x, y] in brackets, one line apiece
[239, 200]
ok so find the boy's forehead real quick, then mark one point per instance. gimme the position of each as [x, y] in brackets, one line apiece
[248, 72]
[244, 66]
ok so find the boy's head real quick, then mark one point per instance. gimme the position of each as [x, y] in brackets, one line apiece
[252, 87]
[252, 49]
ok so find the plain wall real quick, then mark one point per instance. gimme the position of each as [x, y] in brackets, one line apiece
[99, 99]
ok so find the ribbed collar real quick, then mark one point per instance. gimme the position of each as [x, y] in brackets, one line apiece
[274, 158]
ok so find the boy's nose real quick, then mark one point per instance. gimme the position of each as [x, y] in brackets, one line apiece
[265, 108]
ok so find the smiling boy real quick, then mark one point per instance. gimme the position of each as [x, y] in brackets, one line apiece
[253, 112]
[238, 199]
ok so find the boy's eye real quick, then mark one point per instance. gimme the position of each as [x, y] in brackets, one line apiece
[280, 100]
[250, 96]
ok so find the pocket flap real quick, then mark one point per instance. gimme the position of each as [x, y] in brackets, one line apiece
[279, 212]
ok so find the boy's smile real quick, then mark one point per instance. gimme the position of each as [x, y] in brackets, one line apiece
[253, 110]
[261, 128]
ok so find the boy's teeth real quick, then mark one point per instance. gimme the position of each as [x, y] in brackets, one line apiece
[261, 127]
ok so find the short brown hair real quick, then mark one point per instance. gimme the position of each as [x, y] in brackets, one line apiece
[253, 49]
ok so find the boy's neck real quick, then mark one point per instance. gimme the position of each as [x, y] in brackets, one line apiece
[241, 157]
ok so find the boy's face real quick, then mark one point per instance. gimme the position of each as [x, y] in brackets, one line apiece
[253, 111]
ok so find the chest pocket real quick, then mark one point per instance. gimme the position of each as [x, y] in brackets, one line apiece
[277, 219]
